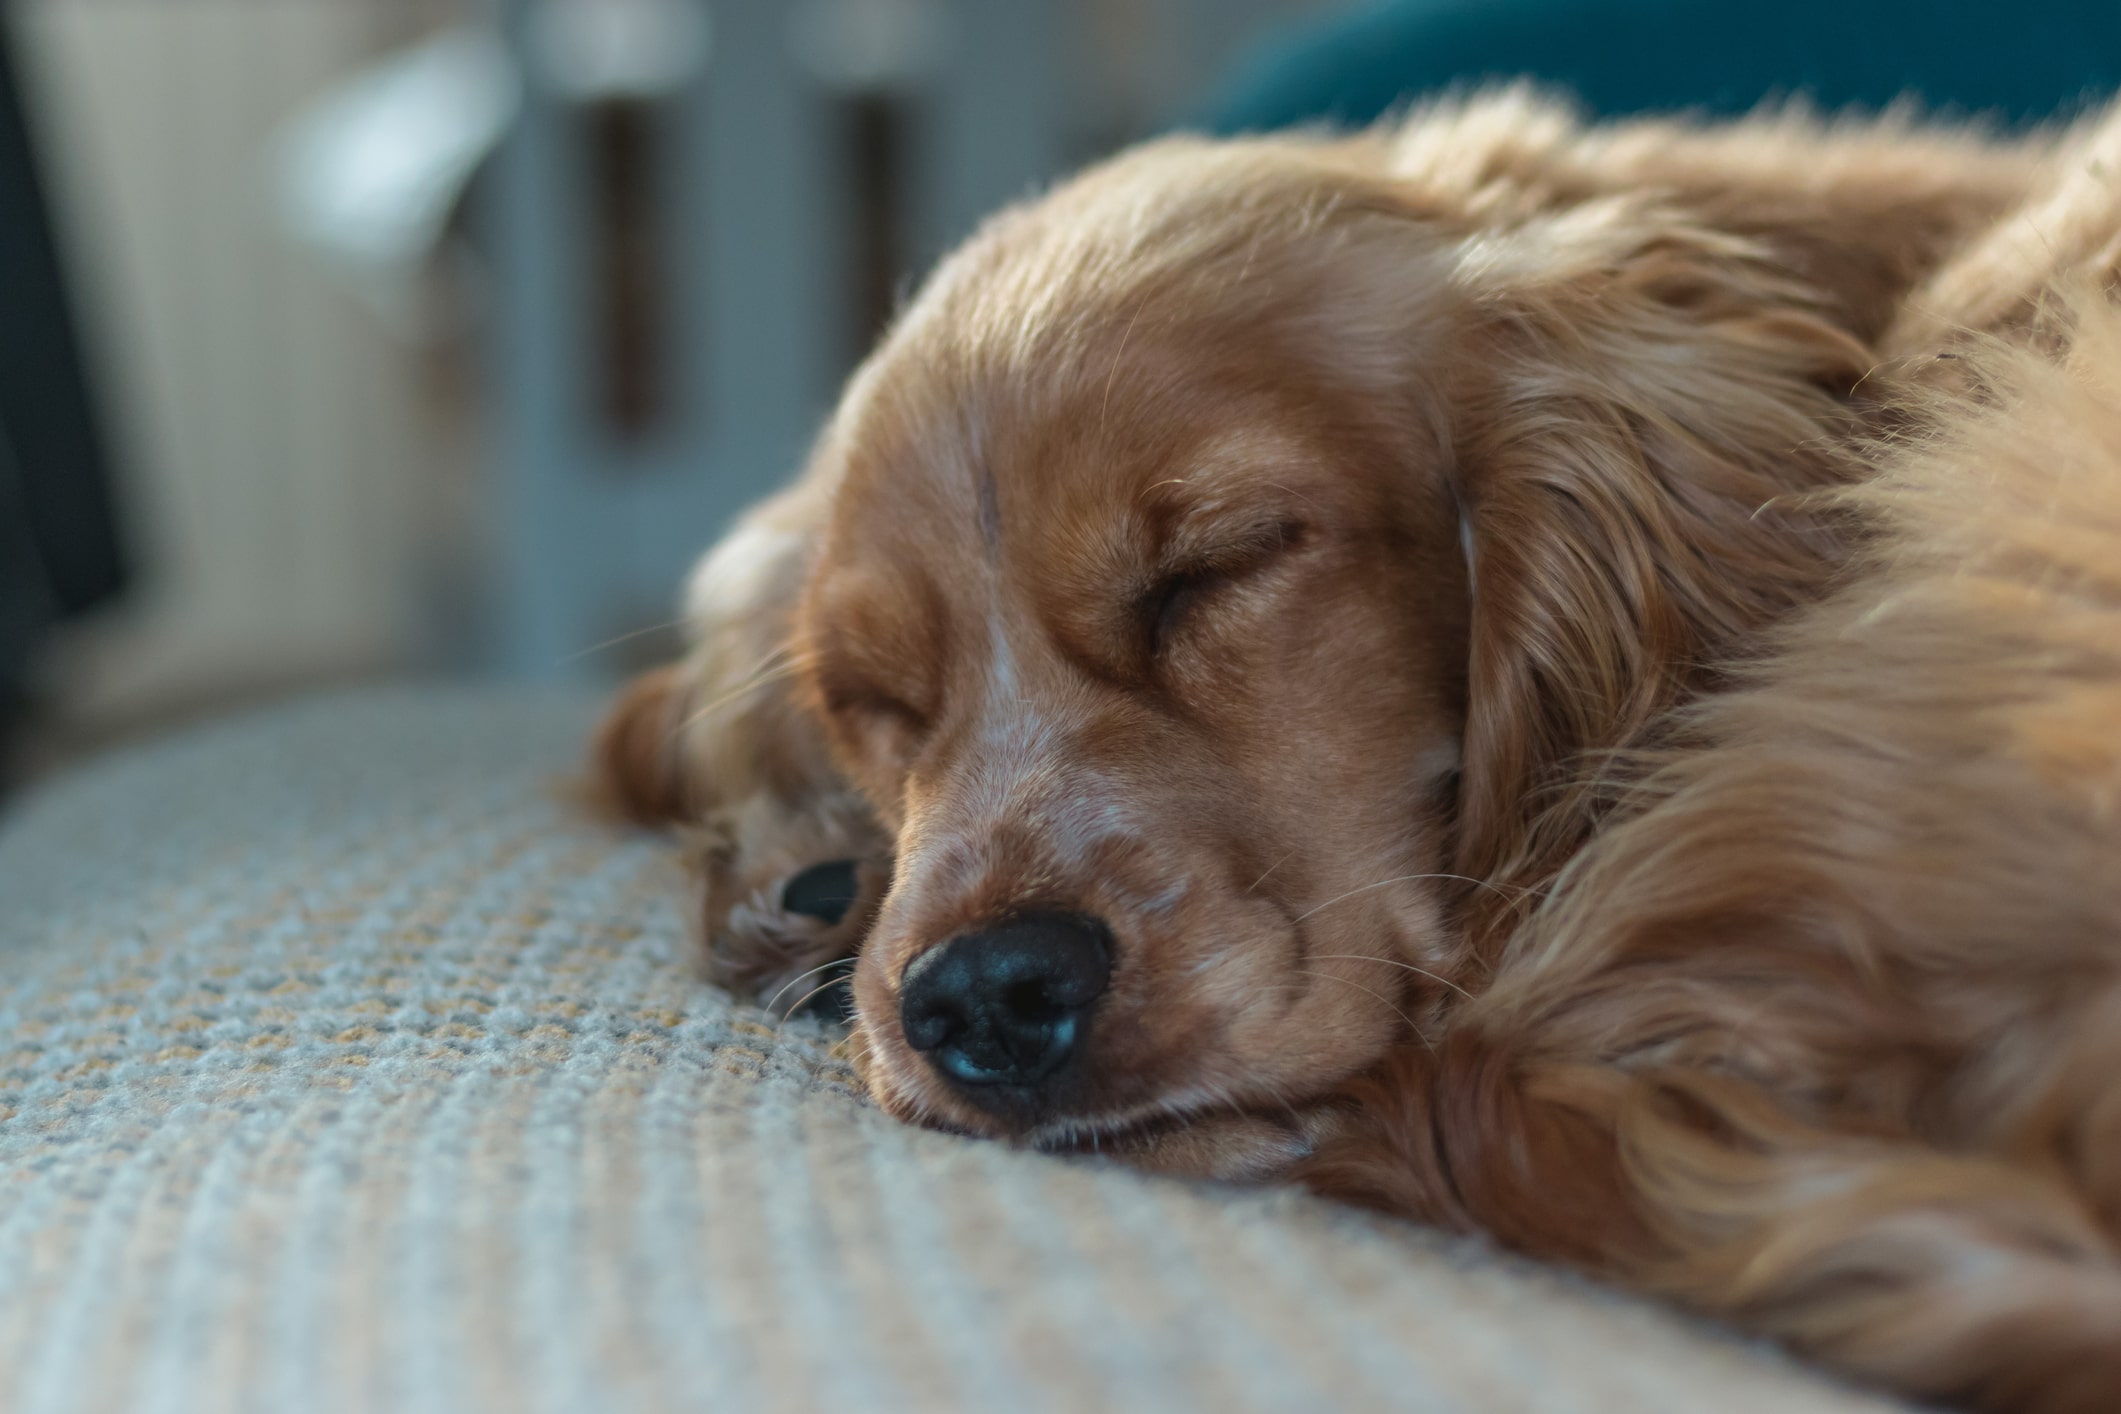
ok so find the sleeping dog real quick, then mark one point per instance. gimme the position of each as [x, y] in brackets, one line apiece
[1560, 681]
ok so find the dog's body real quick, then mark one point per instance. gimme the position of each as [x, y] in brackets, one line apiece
[1341, 654]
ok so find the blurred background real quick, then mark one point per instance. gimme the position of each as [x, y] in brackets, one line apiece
[344, 339]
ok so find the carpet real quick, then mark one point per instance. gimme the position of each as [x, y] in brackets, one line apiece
[345, 1066]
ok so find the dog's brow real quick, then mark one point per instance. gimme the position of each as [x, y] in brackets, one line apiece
[1205, 532]
[1229, 491]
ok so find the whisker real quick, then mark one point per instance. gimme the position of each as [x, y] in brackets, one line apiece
[1392, 962]
[1423, 1036]
[1270, 869]
[1401, 879]
[1287, 492]
[799, 977]
[789, 1015]
[770, 667]
[769, 672]
[628, 637]
[1273, 1092]
[1128, 333]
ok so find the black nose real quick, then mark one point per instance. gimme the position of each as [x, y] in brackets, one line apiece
[1009, 1004]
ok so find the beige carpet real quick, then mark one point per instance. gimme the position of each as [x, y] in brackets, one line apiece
[342, 1068]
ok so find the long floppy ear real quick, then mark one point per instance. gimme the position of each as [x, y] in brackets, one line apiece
[637, 769]
[684, 742]
[1646, 402]
[788, 858]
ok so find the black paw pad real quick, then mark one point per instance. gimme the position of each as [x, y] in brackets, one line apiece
[823, 891]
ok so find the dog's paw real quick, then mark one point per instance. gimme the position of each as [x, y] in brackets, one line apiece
[825, 894]
[789, 943]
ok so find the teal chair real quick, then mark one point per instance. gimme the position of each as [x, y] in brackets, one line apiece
[2019, 63]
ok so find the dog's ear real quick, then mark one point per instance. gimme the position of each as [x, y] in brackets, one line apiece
[637, 761]
[720, 744]
[720, 730]
[709, 732]
[1644, 405]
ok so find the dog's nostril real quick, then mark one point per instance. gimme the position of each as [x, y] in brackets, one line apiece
[1029, 1001]
[1007, 1005]
[930, 1025]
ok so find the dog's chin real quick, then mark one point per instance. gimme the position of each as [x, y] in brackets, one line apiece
[1017, 1119]
[1188, 1132]
[1194, 1136]
[1148, 1121]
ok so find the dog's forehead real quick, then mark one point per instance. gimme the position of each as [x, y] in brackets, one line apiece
[988, 470]
[960, 449]
[1044, 396]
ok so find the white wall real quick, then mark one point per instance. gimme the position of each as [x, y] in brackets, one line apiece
[280, 490]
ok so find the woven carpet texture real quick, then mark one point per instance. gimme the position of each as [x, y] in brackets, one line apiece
[344, 1065]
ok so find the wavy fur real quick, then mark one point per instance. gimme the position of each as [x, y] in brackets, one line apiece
[1580, 667]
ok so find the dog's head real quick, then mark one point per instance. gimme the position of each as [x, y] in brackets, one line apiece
[1230, 559]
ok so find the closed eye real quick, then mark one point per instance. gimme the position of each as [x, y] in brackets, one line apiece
[866, 704]
[877, 705]
[884, 732]
[1167, 605]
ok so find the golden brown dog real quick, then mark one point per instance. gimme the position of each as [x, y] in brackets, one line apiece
[1340, 654]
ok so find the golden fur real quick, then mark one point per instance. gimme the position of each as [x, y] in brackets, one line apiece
[1824, 1034]
[1583, 679]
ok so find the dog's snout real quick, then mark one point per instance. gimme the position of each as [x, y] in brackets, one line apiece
[1008, 1005]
